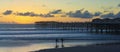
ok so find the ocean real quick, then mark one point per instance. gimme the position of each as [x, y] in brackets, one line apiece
[26, 37]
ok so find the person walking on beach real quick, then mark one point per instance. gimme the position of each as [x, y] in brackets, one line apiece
[56, 43]
[62, 42]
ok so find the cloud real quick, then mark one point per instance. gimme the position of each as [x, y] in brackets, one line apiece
[97, 13]
[32, 14]
[26, 14]
[76, 14]
[118, 5]
[109, 15]
[56, 11]
[87, 14]
[79, 14]
[7, 12]
[47, 15]
[117, 15]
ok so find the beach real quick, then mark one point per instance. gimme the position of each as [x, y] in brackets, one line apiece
[91, 48]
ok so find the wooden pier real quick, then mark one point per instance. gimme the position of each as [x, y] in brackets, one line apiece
[103, 27]
[96, 25]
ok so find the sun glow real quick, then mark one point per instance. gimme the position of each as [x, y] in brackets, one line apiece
[12, 19]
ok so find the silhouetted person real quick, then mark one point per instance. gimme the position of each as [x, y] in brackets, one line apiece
[56, 46]
[62, 42]
[56, 43]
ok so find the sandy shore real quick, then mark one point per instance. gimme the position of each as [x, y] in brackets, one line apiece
[91, 48]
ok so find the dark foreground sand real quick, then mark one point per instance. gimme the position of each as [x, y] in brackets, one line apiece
[92, 48]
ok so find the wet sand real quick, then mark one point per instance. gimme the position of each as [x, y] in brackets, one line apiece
[91, 48]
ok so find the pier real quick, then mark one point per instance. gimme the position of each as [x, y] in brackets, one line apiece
[103, 27]
[96, 26]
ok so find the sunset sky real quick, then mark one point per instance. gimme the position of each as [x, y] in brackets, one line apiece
[30, 11]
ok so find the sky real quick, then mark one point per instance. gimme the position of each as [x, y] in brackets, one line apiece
[30, 11]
